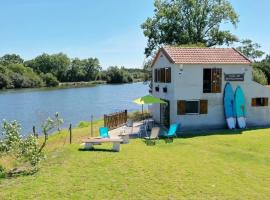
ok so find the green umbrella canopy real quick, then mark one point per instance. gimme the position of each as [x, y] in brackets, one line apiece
[148, 99]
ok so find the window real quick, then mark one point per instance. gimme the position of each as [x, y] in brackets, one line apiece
[212, 80]
[259, 102]
[162, 75]
[192, 107]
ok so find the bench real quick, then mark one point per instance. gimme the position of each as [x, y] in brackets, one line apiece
[89, 143]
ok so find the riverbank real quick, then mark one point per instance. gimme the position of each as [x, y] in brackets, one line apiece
[73, 85]
[231, 166]
[80, 84]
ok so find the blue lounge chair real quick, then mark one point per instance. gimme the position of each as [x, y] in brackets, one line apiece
[171, 132]
[104, 132]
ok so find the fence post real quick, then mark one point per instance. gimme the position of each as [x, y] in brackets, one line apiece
[70, 133]
[105, 120]
[125, 116]
[34, 131]
[91, 125]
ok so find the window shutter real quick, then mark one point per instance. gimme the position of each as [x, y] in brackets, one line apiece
[253, 102]
[203, 106]
[162, 75]
[181, 107]
[265, 101]
[168, 75]
[156, 74]
[159, 75]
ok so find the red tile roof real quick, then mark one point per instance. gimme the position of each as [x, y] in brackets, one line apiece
[193, 55]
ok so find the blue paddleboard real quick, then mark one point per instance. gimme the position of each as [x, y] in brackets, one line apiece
[228, 100]
[240, 107]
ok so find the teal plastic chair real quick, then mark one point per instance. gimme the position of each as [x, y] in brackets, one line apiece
[172, 132]
[104, 132]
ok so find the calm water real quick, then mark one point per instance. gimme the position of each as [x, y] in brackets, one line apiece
[32, 106]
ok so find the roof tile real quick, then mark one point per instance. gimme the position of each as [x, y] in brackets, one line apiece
[193, 55]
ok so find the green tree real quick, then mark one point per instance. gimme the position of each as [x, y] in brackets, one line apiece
[250, 50]
[56, 64]
[117, 75]
[264, 66]
[11, 59]
[91, 68]
[76, 71]
[178, 22]
[259, 76]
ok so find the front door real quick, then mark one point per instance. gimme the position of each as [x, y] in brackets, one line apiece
[165, 113]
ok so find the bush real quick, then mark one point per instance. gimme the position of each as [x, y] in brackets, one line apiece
[83, 124]
[11, 137]
[4, 81]
[26, 150]
[16, 80]
[259, 76]
[50, 80]
[137, 116]
[2, 172]
[30, 150]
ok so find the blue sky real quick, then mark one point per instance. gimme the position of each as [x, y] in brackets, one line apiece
[106, 29]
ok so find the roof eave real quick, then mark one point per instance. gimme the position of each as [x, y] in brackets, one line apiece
[162, 50]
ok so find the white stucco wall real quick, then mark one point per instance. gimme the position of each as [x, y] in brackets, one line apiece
[188, 85]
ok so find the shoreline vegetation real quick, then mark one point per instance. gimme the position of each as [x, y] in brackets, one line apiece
[58, 70]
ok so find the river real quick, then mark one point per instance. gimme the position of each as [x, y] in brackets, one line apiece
[32, 106]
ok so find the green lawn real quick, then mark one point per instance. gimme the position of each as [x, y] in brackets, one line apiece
[233, 166]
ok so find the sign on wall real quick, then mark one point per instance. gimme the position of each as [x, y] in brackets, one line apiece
[234, 77]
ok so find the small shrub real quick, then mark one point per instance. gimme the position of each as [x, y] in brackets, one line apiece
[4, 80]
[11, 137]
[50, 80]
[30, 150]
[2, 172]
[137, 116]
[83, 124]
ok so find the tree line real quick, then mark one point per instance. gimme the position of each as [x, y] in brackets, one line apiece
[49, 70]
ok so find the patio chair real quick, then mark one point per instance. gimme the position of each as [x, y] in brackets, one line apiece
[104, 132]
[151, 140]
[171, 133]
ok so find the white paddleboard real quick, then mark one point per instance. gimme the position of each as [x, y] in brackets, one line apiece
[231, 122]
[241, 122]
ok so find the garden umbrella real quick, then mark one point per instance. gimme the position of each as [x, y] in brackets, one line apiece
[148, 99]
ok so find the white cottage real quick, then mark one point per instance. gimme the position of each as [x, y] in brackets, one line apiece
[192, 80]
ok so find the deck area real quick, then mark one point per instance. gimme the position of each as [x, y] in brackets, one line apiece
[138, 130]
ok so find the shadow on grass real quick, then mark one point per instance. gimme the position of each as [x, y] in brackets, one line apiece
[200, 133]
[18, 172]
[191, 134]
[97, 150]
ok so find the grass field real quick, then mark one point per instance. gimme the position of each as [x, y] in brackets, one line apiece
[233, 166]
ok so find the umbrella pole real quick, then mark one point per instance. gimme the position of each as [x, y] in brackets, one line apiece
[142, 113]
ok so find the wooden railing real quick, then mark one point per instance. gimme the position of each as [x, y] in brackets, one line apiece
[115, 120]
